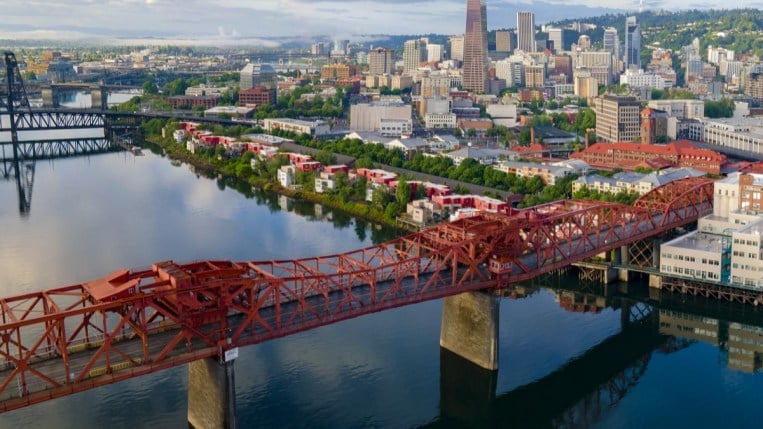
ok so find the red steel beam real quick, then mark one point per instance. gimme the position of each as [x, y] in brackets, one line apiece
[64, 340]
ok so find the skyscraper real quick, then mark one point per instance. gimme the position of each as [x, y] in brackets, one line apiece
[526, 31]
[632, 55]
[503, 41]
[380, 61]
[475, 47]
[414, 53]
[611, 41]
[556, 35]
[457, 48]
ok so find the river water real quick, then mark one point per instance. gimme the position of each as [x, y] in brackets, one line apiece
[558, 368]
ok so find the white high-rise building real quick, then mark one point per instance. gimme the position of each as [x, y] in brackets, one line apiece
[434, 53]
[414, 52]
[556, 35]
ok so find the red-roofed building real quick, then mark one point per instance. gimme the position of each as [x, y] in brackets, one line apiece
[431, 189]
[308, 166]
[333, 169]
[381, 177]
[478, 202]
[631, 155]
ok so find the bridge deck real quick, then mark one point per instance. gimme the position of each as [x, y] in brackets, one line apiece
[139, 321]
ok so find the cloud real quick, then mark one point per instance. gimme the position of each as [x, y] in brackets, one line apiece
[231, 20]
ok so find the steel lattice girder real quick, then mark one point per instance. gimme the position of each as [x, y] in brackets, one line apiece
[61, 341]
[49, 149]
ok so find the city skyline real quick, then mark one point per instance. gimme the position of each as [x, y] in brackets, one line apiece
[235, 21]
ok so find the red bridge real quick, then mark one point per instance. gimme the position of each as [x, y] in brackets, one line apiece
[133, 322]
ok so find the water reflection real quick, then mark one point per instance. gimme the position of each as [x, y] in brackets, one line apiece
[573, 354]
[586, 390]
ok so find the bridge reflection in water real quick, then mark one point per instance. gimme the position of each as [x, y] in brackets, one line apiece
[582, 392]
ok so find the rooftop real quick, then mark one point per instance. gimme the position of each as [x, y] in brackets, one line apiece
[755, 228]
[699, 241]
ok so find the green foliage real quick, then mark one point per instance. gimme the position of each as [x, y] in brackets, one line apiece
[131, 105]
[622, 197]
[719, 109]
[325, 157]
[615, 88]
[177, 87]
[149, 87]
[403, 192]
[153, 127]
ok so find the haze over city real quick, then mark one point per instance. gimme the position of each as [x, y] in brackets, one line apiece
[239, 22]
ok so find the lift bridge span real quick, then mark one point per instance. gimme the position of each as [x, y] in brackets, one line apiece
[129, 323]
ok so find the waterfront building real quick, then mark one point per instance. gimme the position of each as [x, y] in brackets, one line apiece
[311, 128]
[726, 248]
[476, 62]
[549, 174]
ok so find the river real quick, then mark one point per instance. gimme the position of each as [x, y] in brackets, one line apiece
[92, 215]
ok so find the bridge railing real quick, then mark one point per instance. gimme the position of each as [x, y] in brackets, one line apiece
[172, 313]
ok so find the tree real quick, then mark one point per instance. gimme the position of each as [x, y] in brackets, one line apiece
[325, 157]
[177, 87]
[380, 198]
[403, 192]
[149, 87]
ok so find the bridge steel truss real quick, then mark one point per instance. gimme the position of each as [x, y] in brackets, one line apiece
[133, 322]
[58, 148]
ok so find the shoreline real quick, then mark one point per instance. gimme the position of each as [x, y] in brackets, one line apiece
[353, 208]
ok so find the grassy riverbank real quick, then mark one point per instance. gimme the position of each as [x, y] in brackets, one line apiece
[234, 170]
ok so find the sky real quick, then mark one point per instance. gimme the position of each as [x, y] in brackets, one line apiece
[251, 21]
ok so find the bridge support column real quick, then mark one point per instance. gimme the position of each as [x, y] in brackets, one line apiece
[655, 281]
[99, 98]
[656, 253]
[48, 97]
[470, 327]
[211, 394]
[623, 274]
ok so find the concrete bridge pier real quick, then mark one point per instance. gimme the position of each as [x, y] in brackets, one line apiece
[99, 98]
[211, 394]
[470, 327]
[49, 98]
[623, 274]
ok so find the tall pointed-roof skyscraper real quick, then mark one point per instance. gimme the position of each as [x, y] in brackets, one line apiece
[475, 47]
